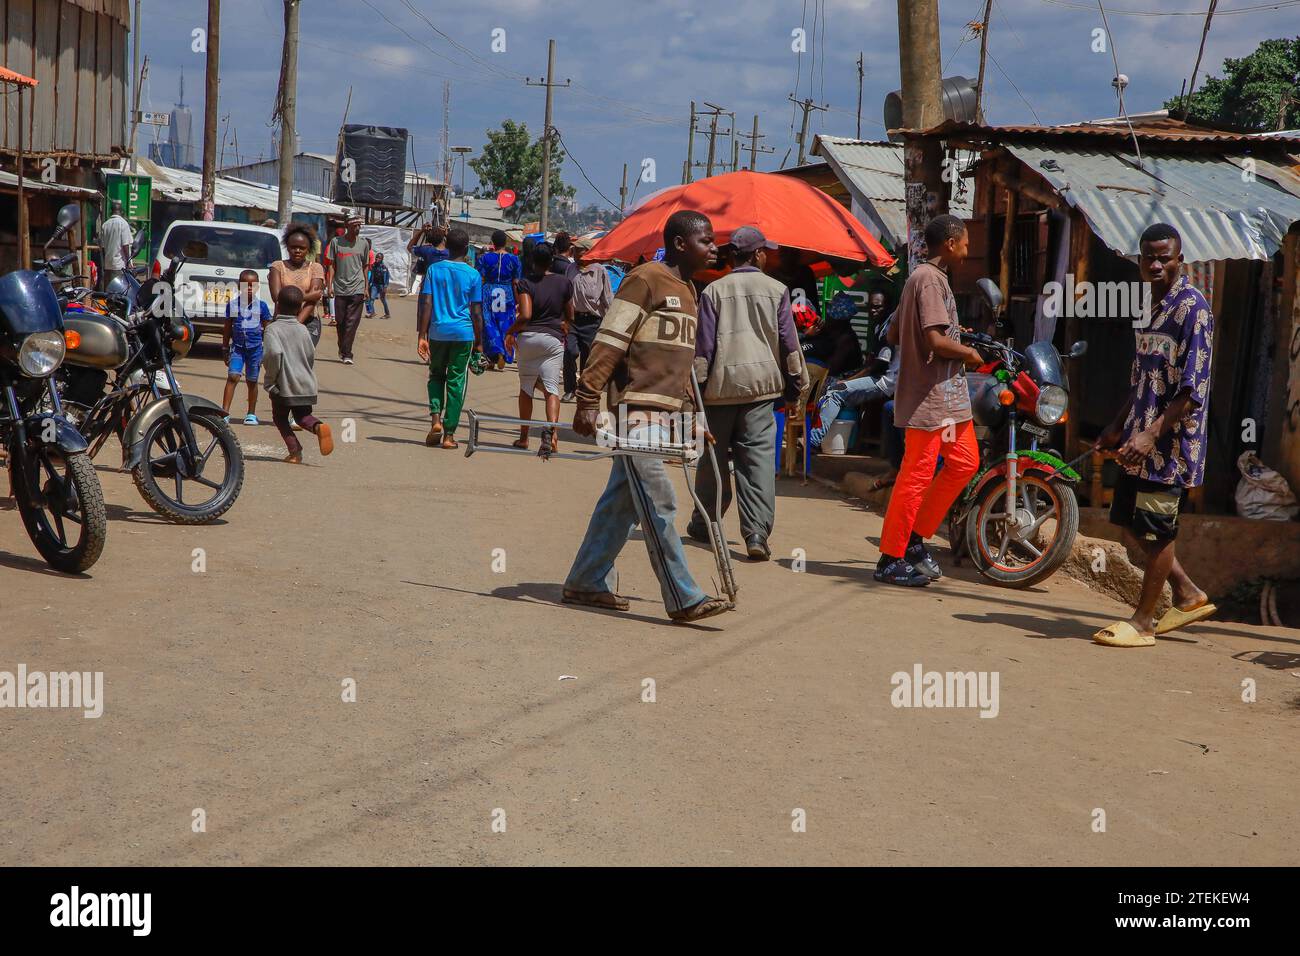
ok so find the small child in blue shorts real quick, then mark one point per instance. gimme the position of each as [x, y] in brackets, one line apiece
[241, 342]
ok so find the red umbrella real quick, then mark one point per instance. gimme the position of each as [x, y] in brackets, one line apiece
[788, 211]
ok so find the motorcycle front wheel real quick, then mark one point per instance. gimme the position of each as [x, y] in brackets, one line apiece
[70, 525]
[198, 494]
[1026, 546]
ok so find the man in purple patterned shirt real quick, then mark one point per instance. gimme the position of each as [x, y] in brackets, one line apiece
[1160, 433]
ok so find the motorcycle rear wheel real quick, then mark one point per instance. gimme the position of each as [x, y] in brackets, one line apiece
[160, 467]
[74, 504]
[1016, 551]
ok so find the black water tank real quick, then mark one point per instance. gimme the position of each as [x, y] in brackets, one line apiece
[958, 104]
[370, 169]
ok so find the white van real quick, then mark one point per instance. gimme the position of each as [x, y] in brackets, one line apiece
[205, 285]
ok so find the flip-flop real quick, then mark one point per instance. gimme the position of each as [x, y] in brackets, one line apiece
[698, 612]
[1175, 618]
[606, 600]
[1123, 634]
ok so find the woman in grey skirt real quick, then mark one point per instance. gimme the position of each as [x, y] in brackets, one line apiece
[545, 301]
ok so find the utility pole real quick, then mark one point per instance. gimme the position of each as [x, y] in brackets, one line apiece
[1205, 32]
[754, 148]
[713, 133]
[984, 52]
[688, 171]
[137, 80]
[807, 105]
[210, 111]
[859, 133]
[919, 66]
[622, 192]
[550, 85]
[288, 111]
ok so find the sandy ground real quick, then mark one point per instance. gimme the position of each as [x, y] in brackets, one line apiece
[223, 689]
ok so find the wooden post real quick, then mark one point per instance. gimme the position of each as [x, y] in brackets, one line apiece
[24, 230]
[1008, 233]
[1080, 240]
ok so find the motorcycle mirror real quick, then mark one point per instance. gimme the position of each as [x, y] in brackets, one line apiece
[68, 216]
[195, 249]
[137, 243]
[1078, 349]
[991, 294]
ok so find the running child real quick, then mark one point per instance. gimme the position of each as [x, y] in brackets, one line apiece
[290, 376]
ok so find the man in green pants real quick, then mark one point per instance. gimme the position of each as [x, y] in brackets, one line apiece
[448, 331]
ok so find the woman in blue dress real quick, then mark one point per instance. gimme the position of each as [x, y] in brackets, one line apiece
[499, 269]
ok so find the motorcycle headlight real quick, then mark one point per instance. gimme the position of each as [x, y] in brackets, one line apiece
[41, 353]
[1052, 403]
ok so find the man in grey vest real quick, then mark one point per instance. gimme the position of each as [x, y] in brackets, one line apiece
[746, 357]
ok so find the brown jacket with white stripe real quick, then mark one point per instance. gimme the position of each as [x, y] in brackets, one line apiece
[645, 345]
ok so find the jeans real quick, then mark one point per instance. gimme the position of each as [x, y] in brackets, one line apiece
[639, 492]
[577, 347]
[347, 311]
[745, 434]
[380, 293]
[851, 394]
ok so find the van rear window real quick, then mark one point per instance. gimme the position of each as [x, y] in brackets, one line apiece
[231, 248]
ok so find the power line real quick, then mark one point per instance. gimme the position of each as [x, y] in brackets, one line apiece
[1276, 5]
[1016, 88]
[1120, 81]
[569, 155]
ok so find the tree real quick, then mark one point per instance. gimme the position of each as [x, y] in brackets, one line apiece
[512, 160]
[1258, 92]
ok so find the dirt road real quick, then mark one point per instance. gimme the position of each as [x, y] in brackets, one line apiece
[223, 690]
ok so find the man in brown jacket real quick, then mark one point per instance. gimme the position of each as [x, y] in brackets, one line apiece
[643, 352]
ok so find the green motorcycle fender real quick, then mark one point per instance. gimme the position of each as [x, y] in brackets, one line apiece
[138, 427]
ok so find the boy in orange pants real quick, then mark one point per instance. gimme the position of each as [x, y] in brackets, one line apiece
[932, 402]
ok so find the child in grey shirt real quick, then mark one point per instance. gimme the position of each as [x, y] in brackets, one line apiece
[288, 357]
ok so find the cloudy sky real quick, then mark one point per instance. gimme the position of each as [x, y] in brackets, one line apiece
[636, 66]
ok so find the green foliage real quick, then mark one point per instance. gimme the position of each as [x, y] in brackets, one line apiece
[1257, 92]
[513, 160]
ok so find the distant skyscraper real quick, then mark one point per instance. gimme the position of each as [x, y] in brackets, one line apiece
[178, 151]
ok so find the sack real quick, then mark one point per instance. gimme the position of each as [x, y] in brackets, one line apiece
[1262, 493]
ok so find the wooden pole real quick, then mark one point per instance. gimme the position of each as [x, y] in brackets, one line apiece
[546, 134]
[24, 237]
[984, 52]
[688, 170]
[1008, 234]
[288, 112]
[210, 110]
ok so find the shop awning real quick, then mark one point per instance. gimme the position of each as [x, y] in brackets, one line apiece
[1225, 207]
[9, 180]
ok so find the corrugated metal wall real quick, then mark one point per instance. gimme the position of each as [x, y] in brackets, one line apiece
[79, 59]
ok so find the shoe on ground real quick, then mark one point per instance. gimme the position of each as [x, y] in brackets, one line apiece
[251, 419]
[348, 361]
[606, 600]
[226, 419]
[919, 557]
[294, 458]
[568, 398]
[434, 438]
[709, 607]
[698, 531]
[757, 549]
[898, 571]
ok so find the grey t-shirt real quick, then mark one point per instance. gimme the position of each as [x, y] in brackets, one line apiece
[931, 391]
[350, 261]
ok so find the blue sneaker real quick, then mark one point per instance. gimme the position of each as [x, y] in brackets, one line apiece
[251, 419]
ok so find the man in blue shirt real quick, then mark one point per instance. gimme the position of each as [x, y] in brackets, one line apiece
[241, 342]
[449, 329]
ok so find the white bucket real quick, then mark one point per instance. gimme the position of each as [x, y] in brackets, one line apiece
[838, 436]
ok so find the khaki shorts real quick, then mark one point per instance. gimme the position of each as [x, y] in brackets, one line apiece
[1149, 508]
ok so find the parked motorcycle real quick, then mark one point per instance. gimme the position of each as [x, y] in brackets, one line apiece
[1018, 517]
[185, 460]
[51, 478]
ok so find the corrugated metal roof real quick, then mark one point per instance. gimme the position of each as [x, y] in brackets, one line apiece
[1221, 211]
[37, 185]
[873, 174]
[178, 185]
[1146, 133]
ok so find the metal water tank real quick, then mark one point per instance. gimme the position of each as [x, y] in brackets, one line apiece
[370, 169]
[958, 94]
